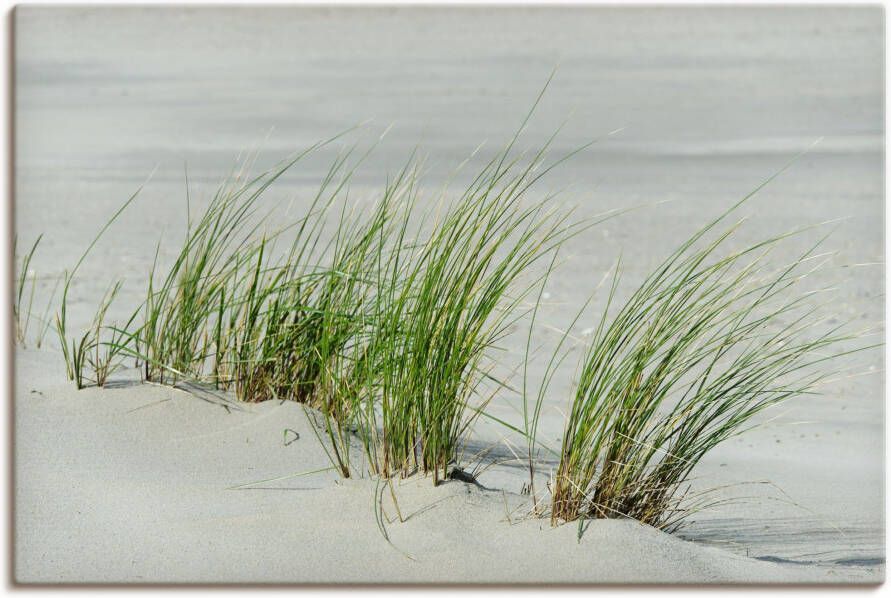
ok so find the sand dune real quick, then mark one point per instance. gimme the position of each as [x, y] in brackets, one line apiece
[132, 483]
[139, 483]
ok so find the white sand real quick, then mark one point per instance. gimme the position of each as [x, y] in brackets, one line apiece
[134, 484]
[712, 103]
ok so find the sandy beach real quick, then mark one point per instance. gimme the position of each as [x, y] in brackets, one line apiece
[164, 486]
[140, 483]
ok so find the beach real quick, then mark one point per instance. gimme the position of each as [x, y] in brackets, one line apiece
[160, 486]
[690, 109]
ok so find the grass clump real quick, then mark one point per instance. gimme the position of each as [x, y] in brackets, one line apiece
[93, 360]
[709, 340]
[442, 307]
[385, 324]
[232, 312]
[183, 311]
[297, 324]
[84, 352]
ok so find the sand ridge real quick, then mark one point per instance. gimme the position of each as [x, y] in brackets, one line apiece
[155, 484]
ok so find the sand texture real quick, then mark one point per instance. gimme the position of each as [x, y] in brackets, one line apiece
[142, 479]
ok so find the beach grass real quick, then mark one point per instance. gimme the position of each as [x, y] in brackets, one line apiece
[443, 305]
[708, 340]
[76, 351]
[389, 326]
[386, 325]
[21, 309]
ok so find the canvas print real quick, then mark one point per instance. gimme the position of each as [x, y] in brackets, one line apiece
[448, 294]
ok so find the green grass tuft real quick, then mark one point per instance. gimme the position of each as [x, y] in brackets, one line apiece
[709, 340]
